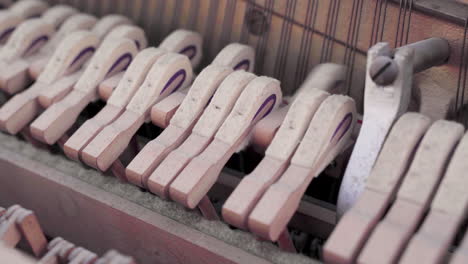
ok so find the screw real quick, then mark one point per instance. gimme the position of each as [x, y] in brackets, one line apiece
[383, 70]
[256, 22]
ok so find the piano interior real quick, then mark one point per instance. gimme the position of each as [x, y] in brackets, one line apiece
[233, 131]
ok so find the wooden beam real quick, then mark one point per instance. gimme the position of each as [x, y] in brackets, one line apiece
[99, 220]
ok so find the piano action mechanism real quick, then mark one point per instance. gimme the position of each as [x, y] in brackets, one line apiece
[233, 131]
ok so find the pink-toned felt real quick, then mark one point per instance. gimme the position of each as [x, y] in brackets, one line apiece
[202, 134]
[102, 28]
[205, 169]
[8, 21]
[107, 146]
[16, 77]
[130, 82]
[27, 9]
[241, 202]
[234, 55]
[63, 70]
[160, 179]
[64, 85]
[432, 242]
[71, 23]
[179, 40]
[176, 42]
[328, 133]
[58, 118]
[17, 49]
[36, 68]
[109, 22]
[108, 85]
[162, 112]
[246, 195]
[20, 110]
[308, 98]
[327, 77]
[57, 14]
[58, 90]
[350, 234]
[414, 195]
[180, 126]
[237, 56]
[141, 167]
[80, 138]
[447, 213]
[24, 107]
[19, 44]
[259, 98]
[264, 132]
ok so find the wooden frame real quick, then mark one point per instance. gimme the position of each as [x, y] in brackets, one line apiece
[99, 220]
[86, 215]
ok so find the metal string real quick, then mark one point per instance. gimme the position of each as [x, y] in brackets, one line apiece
[161, 8]
[404, 22]
[175, 18]
[227, 23]
[306, 43]
[244, 38]
[353, 44]
[374, 23]
[350, 34]
[309, 42]
[261, 44]
[210, 27]
[327, 32]
[461, 86]
[354, 49]
[409, 21]
[194, 11]
[383, 21]
[286, 39]
[333, 32]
